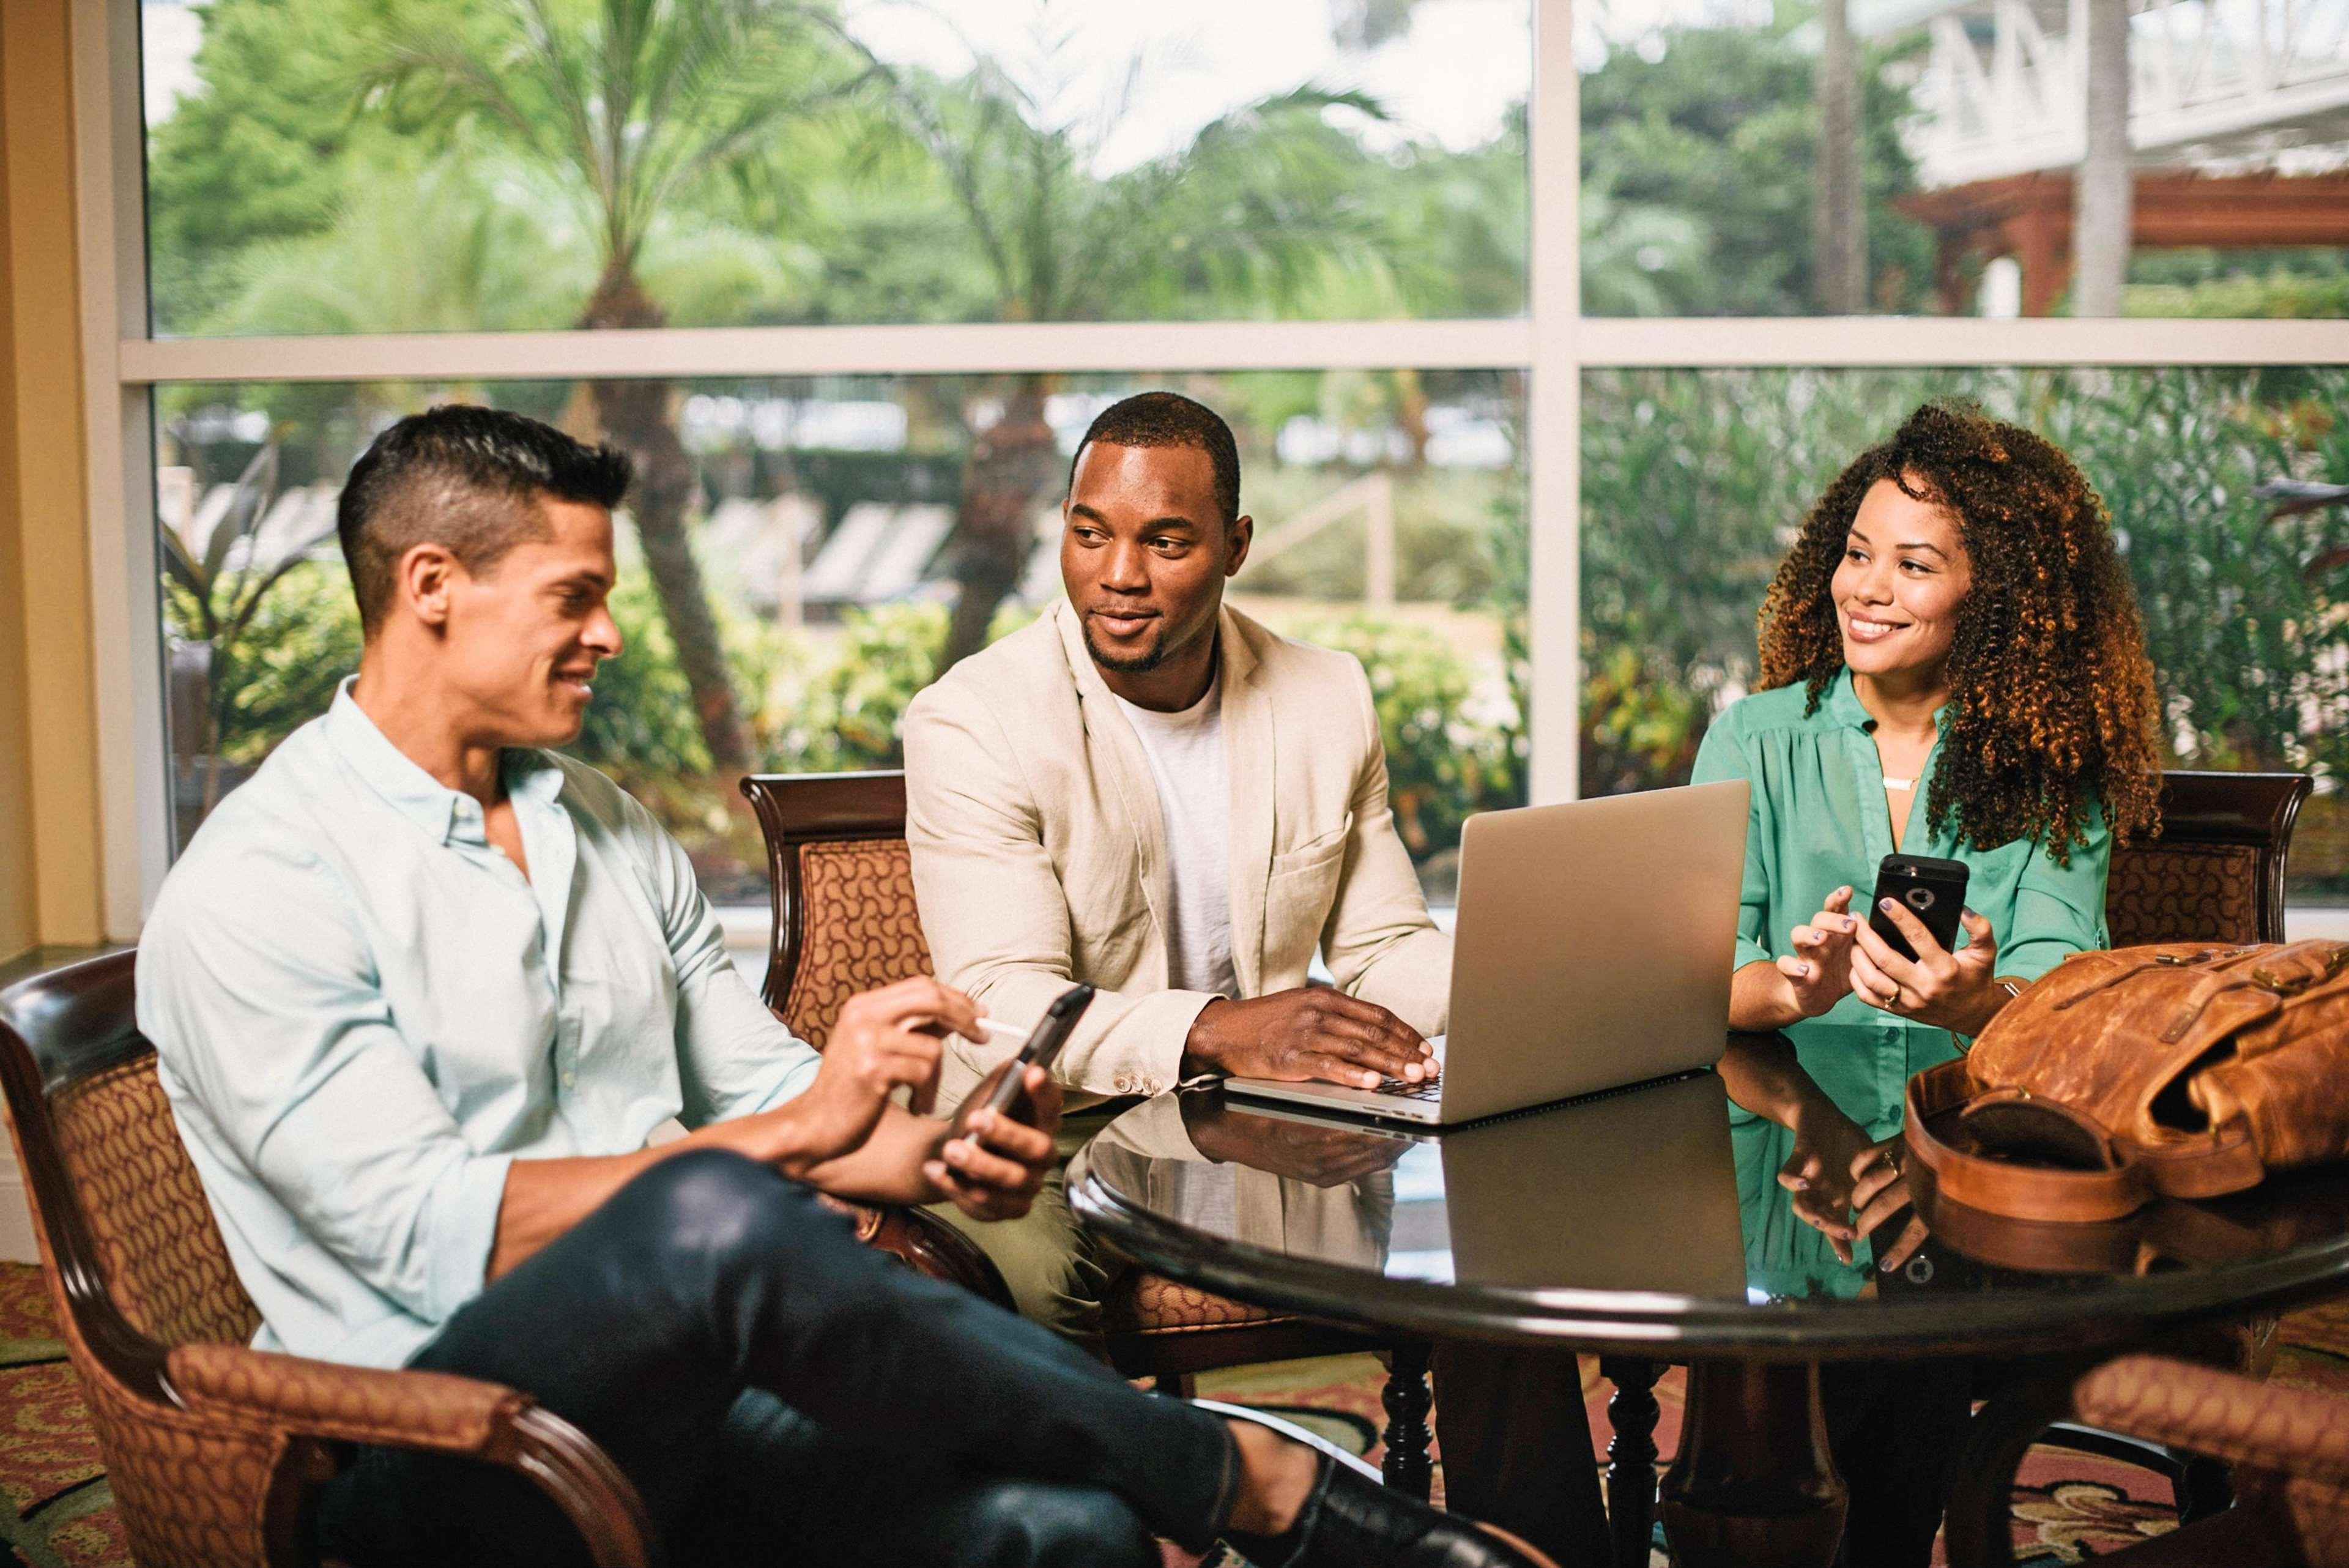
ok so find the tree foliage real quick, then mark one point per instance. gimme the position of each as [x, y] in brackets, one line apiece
[1703, 161]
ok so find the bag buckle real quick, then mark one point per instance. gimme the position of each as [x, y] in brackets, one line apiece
[2327, 959]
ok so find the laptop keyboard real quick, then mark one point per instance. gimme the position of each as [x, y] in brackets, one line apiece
[1429, 1089]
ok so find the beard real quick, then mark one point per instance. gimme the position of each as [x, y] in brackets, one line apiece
[1138, 664]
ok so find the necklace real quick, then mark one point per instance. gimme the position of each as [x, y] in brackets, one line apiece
[1900, 784]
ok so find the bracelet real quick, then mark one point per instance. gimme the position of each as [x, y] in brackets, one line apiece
[1965, 1042]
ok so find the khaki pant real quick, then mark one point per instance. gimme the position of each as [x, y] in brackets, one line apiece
[1057, 1275]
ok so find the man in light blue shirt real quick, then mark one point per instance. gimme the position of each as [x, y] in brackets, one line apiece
[422, 992]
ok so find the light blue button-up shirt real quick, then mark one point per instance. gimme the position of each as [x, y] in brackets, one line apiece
[364, 1013]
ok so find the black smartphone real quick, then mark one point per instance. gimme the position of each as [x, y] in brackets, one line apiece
[1933, 891]
[1060, 1021]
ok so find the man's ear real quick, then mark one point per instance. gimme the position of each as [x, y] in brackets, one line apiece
[1236, 540]
[422, 581]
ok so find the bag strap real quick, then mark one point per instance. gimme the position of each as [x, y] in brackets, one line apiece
[2127, 1175]
[2208, 958]
[2003, 1187]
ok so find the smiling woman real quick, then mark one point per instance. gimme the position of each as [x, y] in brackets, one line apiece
[1952, 666]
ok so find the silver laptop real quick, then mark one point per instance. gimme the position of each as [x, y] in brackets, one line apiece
[1593, 952]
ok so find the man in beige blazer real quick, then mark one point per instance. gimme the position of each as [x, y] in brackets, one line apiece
[1149, 791]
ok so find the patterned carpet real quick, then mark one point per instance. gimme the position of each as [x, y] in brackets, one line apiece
[2068, 1508]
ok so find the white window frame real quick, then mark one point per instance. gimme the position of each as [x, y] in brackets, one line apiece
[1552, 345]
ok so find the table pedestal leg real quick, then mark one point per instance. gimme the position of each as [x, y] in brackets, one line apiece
[1408, 1467]
[1631, 1457]
[1753, 1484]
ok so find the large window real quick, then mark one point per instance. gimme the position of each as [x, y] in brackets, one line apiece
[1505, 297]
[1930, 157]
[350, 166]
[824, 527]
[2229, 491]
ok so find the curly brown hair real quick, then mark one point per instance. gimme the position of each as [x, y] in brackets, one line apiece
[2054, 711]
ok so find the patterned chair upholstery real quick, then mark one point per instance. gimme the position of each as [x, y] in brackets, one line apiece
[2215, 871]
[845, 922]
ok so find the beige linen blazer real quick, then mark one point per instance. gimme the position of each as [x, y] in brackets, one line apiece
[1040, 853]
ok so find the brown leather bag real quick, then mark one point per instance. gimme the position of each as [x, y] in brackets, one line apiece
[2182, 1069]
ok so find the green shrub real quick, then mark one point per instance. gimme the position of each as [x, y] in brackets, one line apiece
[283, 671]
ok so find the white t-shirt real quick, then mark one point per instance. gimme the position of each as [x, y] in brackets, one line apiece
[1187, 760]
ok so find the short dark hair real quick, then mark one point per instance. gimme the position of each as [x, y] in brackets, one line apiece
[1170, 419]
[466, 478]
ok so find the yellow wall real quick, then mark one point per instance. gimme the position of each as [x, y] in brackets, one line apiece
[50, 882]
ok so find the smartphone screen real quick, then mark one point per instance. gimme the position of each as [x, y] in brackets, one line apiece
[1932, 890]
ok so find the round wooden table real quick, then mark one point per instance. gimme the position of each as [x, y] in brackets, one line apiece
[1646, 1226]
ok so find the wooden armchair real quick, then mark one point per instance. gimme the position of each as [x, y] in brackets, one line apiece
[2216, 873]
[845, 922]
[214, 1450]
[2289, 1448]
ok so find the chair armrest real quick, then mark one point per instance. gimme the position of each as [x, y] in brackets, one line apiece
[432, 1411]
[927, 1245]
[2205, 1411]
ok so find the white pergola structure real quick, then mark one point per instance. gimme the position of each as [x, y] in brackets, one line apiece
[2230, 85]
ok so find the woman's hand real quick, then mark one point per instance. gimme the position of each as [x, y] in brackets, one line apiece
[1846, 1187]
[1879, 1189]
[1818, 972]
[1802, 983]
[1958, 991]
[1829, 1148]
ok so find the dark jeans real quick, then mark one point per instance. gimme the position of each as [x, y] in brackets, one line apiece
[1893, 1429]
[782, 1394]
[1517, 1446]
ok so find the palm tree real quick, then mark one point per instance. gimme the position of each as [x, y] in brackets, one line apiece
[1841, 209]
[2101, 196]
[1250, 210]
[632, 107]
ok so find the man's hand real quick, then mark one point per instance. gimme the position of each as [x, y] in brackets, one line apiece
[991, 1166]
[1323, 1156]
[1311, 1032]
[886, 1040]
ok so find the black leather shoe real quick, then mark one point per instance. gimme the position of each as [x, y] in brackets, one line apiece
[1351, 1522]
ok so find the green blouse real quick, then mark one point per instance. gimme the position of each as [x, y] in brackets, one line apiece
[1819, 823]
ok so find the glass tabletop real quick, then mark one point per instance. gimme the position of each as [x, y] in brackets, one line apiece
[1654, 1216]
